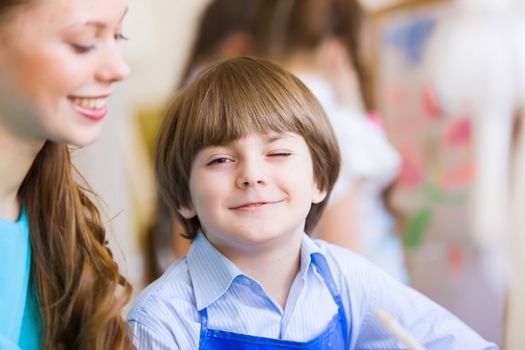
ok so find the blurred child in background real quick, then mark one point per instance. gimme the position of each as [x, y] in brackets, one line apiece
[319, 42]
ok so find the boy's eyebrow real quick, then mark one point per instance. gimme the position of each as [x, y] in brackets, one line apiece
[275, 137]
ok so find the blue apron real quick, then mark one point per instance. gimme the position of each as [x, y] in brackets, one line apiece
[334, 335]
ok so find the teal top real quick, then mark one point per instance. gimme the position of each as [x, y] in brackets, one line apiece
[20, 323]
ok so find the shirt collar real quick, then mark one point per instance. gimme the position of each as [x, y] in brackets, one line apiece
[212, 273]
[308, 248]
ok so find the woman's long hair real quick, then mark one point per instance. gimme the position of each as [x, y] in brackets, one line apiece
[79, 289]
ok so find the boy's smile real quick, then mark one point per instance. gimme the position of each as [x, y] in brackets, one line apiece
[257, 189]
[254, 205]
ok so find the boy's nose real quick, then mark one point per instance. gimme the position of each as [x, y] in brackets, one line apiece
[250, 175]
[244, 183]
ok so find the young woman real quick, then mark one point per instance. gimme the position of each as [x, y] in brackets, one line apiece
[59, 285]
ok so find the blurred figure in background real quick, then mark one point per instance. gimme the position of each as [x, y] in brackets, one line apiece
[226, 29]
[319, 42]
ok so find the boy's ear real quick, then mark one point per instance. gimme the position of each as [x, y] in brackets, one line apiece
[318, 195]
[187, 212]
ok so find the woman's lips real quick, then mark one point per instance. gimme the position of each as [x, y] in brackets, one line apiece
[93, 108]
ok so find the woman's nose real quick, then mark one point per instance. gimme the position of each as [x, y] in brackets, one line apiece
[113, 68]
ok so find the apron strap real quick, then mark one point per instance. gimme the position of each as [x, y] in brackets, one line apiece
[204, 328]
[324, 270]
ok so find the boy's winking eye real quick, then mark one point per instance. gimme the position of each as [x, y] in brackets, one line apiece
[275, 146]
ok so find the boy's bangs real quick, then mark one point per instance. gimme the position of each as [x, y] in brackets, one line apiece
[232, 111]
[225, 130]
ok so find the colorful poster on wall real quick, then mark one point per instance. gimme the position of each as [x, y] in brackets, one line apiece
[433, 191]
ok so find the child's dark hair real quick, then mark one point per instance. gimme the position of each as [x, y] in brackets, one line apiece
[229, 100]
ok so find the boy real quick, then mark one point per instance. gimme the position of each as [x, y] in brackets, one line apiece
[247, 159]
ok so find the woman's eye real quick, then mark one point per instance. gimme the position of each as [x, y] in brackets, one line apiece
[120, 36]
[82, 49]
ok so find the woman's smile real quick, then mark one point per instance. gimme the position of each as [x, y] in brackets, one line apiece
[93, 108]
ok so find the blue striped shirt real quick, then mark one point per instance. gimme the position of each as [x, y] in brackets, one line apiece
[166, 316]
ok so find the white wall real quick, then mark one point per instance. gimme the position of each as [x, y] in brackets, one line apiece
[161, 33]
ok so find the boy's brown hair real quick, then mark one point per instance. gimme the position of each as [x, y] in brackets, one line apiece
[229, 100]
